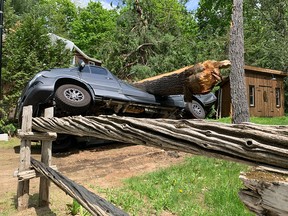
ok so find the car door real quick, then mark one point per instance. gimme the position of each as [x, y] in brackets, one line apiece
[104, 84]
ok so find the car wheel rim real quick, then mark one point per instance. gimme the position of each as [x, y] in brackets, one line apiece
[74, 94]
[197, 109]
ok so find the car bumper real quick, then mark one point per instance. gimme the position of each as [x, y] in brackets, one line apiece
[35, 95]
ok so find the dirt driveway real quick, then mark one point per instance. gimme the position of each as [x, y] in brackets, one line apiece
[100, 166]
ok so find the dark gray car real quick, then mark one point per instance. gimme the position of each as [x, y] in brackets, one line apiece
[93, 90]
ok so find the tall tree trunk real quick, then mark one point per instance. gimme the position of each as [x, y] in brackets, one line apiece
[240, 110]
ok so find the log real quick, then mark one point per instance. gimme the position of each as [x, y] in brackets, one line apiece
[24, 163]
[266, 193]
[47, 136]
[93, 203]
[46, 158]
[253, 144]
[29, 174]
[194, 79]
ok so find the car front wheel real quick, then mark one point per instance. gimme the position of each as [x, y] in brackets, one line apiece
[72, 98]
[196, 109]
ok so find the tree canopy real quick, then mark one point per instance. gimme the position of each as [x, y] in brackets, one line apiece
[136, 39]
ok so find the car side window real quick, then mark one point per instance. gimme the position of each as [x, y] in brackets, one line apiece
[98, 70]
[86, 69]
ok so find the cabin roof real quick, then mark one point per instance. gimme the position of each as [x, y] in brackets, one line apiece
[264, 70]
[255, 69]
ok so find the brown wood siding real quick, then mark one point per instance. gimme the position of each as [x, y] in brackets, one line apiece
[265, 95]
[226, 101]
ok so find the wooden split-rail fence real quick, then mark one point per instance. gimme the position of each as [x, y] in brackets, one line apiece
[263, 147]
[30, 168]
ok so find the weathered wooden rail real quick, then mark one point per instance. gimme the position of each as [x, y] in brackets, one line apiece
[265, 146]
[90, 201]
[260, 146]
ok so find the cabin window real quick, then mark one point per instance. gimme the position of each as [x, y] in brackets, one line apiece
[278, 97]
[251, 95]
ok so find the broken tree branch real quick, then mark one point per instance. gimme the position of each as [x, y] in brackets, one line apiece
[195, 79]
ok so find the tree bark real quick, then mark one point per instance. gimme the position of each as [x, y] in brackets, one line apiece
[240, 110]
[247, 143]
[195, 79]
[266, 193]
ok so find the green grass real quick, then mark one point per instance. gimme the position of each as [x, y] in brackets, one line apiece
[283, 120]
[12, 142]
[7, 205]
[200, 186]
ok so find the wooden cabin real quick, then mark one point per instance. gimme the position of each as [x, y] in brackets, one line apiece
[265, 93]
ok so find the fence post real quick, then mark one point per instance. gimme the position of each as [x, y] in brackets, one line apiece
[25, 154]
[46, 156]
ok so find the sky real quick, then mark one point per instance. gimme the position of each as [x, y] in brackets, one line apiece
[191, 5]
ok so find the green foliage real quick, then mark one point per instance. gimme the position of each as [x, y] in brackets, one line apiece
[10, 16]
[200, 186]
[213, 19]
[5, 126]
[23, 6]
[142, 71]
[26, 51]
[266, 27]
[214, 16]
[93, 27]
[155, 34]
[76, 209]
[59, 16]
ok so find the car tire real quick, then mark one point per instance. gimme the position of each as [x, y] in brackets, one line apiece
[197, 109]
[72, 98]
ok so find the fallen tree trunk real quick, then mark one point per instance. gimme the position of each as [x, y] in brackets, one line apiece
[265, 193]
[252, 144]
[194, 79]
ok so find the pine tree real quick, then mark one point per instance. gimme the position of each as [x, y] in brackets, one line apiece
[240, 110]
